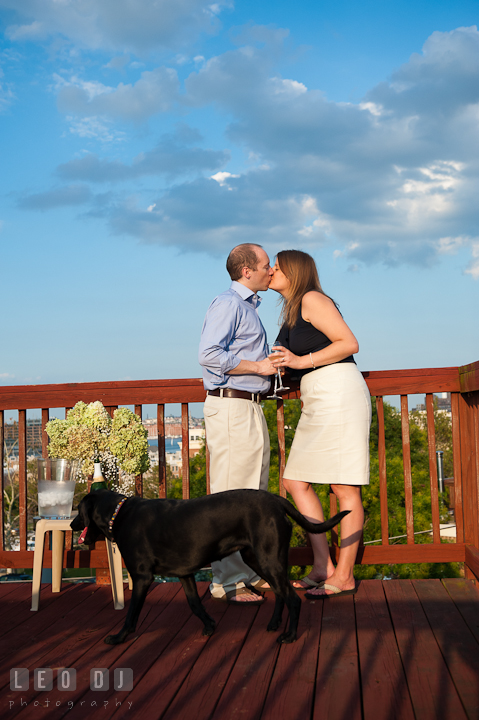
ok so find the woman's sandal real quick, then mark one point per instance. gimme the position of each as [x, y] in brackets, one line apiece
[335, 592]
[309, 583]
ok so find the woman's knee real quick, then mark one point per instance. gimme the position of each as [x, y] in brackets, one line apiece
[347, 493]
[295, 486]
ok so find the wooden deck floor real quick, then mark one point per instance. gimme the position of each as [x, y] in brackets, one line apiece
[398, 649]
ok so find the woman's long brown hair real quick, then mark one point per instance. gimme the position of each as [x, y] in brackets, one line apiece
[301, 271]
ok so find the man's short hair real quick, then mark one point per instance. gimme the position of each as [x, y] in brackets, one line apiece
[242, 256]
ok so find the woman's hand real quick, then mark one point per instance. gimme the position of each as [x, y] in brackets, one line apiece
[283, 358]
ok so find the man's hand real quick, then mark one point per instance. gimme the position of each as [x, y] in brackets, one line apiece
[247, 367]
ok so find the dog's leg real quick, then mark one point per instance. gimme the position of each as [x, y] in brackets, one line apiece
[141, 584]
[275, 571]
[196, 606]
[293, 602]
[272, 575]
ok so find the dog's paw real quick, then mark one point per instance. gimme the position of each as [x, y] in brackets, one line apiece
[287, 638]
[208, 630]
[113, 639]
[273, 625]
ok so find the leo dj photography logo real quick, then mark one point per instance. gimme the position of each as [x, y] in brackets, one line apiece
[67, 679]
[101, 680]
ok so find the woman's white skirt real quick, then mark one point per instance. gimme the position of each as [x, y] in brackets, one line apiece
[331, 443]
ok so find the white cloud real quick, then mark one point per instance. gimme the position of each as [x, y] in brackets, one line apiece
[222, 178]
[153, 93]
[392, 179]
[6, 92]
[57, 197]
[473, 267]
[173, 156]
[94, 128]
[291, 88]
[139, 26]
[34, 31]
[393, 174]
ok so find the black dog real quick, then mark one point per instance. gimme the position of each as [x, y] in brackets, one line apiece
[179, 537]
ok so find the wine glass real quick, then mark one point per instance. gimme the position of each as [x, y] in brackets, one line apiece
[278, 380]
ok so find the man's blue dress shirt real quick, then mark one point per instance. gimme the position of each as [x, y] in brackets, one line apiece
[232, 331]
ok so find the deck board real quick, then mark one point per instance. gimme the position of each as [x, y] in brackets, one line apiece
[383, 682]
[338, 693]
[205, 682]
[292, 700]
[432, 690]
[249, 680]
[456, 642]
[397, 650]
[465, 595]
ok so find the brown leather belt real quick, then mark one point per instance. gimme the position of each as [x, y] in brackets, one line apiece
[241, 394]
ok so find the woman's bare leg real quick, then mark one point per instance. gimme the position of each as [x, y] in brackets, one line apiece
[310, 506]
[349, 497]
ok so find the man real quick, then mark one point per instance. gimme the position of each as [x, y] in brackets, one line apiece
[234, 356]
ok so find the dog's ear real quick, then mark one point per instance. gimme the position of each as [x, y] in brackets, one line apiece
[85, 510]
[84, 520]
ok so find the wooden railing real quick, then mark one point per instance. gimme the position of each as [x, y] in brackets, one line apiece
[462, 383]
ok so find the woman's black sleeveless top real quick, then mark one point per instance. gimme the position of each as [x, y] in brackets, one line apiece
[303, 338]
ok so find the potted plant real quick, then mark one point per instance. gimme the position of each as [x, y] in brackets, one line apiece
[88, 434]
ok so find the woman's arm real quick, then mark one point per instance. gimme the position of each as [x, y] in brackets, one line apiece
[323, 314]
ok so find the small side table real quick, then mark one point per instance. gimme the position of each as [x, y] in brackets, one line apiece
[58, 529]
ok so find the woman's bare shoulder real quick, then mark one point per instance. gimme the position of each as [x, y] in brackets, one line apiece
[315, 299]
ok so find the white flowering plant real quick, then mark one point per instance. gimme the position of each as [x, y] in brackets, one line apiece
[90, 435]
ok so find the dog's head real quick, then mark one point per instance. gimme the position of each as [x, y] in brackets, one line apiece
[94, 513]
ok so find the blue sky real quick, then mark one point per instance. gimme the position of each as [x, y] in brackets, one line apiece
[140, 141]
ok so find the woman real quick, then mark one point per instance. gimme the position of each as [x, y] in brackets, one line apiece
[331, 443]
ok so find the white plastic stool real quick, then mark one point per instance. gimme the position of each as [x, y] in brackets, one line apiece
[58, 528]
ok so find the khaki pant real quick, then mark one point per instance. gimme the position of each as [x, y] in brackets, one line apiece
[238, 442]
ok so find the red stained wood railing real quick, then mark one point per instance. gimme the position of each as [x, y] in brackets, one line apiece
[406, 453]
[462, 383]
[431, 434]
[383, 488]
[160, 420]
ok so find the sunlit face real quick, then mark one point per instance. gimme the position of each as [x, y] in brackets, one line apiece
[279, 281]
[260, 278]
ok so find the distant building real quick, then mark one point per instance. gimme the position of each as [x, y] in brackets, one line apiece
[443, 401]
[173, 427]
[33, 438]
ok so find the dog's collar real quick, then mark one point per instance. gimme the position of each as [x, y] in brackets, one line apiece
[117, 510]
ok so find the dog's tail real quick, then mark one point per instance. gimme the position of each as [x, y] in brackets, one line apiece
[307, 524]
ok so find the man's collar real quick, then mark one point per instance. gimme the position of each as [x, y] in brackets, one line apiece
[243, 291]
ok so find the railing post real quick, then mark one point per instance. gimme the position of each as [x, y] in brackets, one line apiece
[22, 478]
[185, 450]
[160, 424]
[456, 449]
[431, 441]
[406, 449]
[468, 418]
[383, 487]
